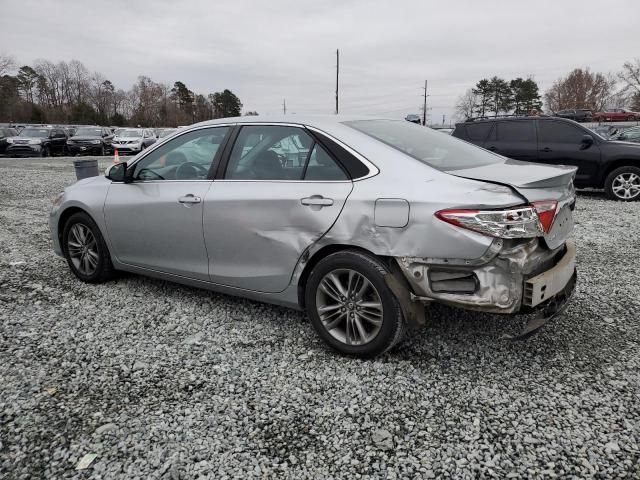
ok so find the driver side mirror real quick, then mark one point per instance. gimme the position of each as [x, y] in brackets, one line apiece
[586, 142]
[117, 172]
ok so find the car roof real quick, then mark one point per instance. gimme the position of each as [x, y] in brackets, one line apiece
[517, 119]
[311, 120]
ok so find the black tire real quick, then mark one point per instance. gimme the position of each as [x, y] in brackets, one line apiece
[611, 178]
[104, 270]
[45, 152]
[103, 152]
[370, 267]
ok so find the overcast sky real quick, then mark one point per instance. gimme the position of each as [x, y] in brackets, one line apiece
[266, 51]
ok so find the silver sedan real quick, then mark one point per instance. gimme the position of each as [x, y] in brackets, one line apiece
[361, 222]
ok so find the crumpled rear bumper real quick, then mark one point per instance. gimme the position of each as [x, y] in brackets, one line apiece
[511, 278]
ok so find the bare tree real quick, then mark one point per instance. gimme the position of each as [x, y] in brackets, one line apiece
[630, 76]
[580, 89]
[465, 105]
[7, 64]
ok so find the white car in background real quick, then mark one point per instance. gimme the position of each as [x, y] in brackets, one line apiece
[133, 140]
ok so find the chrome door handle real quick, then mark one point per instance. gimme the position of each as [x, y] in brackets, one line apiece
[546, 150]
[317, 200]
[190, 198]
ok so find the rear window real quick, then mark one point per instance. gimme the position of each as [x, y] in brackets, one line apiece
[442, 152]
[478, 131]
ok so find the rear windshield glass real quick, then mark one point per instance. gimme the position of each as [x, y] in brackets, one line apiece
[425, 144]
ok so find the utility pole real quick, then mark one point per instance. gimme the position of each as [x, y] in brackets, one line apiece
[337, 76]
[284, 106]
[424, 113]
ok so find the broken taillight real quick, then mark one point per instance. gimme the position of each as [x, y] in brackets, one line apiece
[546, 211]
[516, 222]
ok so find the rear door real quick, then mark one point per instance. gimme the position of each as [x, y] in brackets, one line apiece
[514, 139]
[560, 143]
[280, 192]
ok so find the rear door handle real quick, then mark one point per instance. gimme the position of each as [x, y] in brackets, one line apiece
[546, 150]
[492, 148]
[189, 199]
[317, 200]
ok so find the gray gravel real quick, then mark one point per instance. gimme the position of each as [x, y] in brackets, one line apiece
[163, 381]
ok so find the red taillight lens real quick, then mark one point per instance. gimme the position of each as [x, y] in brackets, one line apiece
[515, 222]
[546, 211]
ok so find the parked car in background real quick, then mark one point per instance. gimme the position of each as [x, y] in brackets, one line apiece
[413, 118]
[38, 141]
[448, 131]
[6, 133]
[351, 235]
[606, 131]
[614, 166]
[91, 140]
[628, 135]
[616, 115]
[579, 115]
[133, 140]
[165, 132]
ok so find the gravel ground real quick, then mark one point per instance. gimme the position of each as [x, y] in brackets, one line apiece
[163, 381]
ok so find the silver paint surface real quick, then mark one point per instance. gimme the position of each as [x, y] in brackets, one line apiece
[254, 238]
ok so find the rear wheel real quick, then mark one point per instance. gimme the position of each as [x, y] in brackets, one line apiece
[102, 151]
[631, 118]
[350, 305]
[85, 250]
[623, 184]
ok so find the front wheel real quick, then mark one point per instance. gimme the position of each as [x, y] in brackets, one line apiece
[623, 184]
[45, 152]
[350, 305]
[85, 249]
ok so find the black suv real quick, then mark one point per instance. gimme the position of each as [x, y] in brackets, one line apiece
[38, 142]
[579, 115]
[91, 140]
[612, 165]
[5, 134]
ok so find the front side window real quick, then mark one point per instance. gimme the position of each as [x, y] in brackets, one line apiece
[516, 131]
[268, 152]
[187, 157]
[558, 132]
[426, 145]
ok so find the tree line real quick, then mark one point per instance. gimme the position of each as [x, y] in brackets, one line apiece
[67, 92]
[581, 88]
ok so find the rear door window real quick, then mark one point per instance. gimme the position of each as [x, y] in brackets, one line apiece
[478, 132]
[559, 132]
[516, 131]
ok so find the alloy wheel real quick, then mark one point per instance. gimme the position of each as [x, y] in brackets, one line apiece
[349, 307]
[83, 249]
[626, 186]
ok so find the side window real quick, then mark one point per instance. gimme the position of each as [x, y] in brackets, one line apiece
[269, 152]
[558, 132]
[322, 167]
[478, 132]
[187, 157]
[516, 131]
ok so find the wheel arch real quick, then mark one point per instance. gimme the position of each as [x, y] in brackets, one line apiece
[323, 253]
[617, 163]
[64, 218]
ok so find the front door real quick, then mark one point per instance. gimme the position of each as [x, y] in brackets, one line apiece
[560, 143]
[280, 193]
[155, 222]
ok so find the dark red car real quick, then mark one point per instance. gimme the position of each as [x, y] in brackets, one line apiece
[616, 115]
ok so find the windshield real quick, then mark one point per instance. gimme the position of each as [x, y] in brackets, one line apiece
[426, 145]
[89, 132]
[35, 133]
[130, 133]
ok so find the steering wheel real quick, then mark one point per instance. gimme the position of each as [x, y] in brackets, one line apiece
[190, 170]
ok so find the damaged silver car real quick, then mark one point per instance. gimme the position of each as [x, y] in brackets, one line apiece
[361, 222]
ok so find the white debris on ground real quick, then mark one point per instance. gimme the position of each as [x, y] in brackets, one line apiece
[163, 381]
